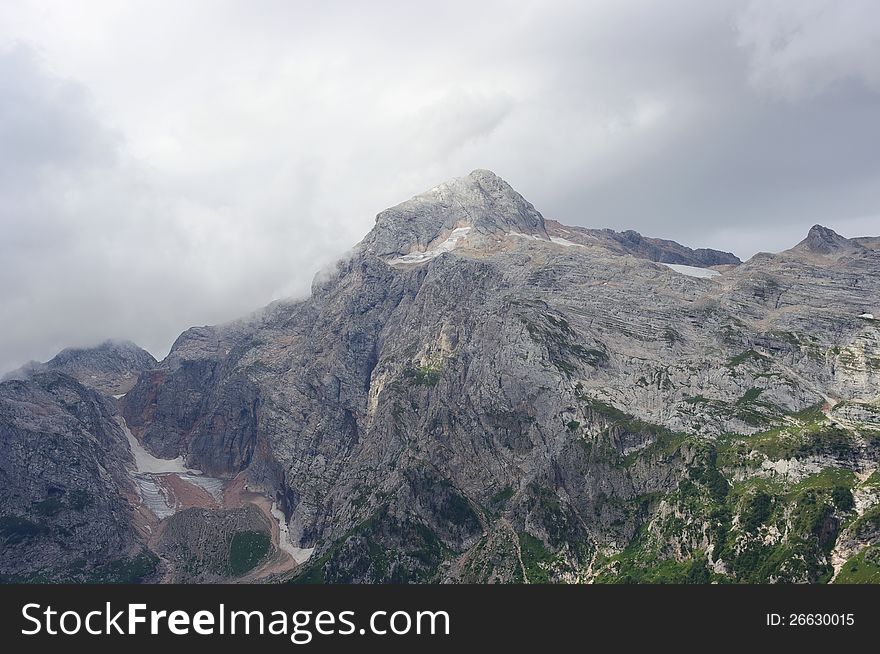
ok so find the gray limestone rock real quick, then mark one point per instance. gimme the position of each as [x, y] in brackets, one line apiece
[65, 511]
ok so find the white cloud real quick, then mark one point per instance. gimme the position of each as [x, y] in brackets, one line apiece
[165, 163]
[801, 48]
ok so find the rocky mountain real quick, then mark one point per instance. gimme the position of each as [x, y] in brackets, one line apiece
[823, 241]
[477, 394]
[481, 202]
[111, 367]
[632, 243]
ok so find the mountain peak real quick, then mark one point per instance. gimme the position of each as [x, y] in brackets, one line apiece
[484, 173]
[480, 178]
[823, 240]
[481, 201]
[111, 367]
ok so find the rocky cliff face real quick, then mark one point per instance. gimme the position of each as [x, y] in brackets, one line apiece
[66, 494]
[477, 394]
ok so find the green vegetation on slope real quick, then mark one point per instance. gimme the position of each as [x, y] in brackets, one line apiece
[536, 558]
[760, 527]
[863, 568]
[423, 375]
[246, 550]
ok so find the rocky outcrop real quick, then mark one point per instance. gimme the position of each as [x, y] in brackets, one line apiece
[823, 240]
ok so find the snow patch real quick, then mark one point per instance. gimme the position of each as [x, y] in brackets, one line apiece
[531, 236]
[693, 271]
[558, 240]
[448, 245]
[564, 242]
[867, 316]
[212, 485]
[299, 554]
[154, 496]
[119, 396]
[149, 477]
[146, 463]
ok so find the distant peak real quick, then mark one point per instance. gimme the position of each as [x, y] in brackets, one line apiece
[478, 186]
[120, 347]
[633, 243]
[111, 367]
[824, 240]
[822, 232]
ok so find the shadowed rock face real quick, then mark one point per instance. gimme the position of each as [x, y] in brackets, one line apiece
[528, 401]
[65, 489]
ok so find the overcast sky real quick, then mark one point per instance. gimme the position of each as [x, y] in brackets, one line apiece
[166, 164]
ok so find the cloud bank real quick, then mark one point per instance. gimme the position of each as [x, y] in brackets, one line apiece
[165, 164]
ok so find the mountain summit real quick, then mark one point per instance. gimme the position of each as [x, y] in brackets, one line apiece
[481, 202]
[824, 240]
[112, 366]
